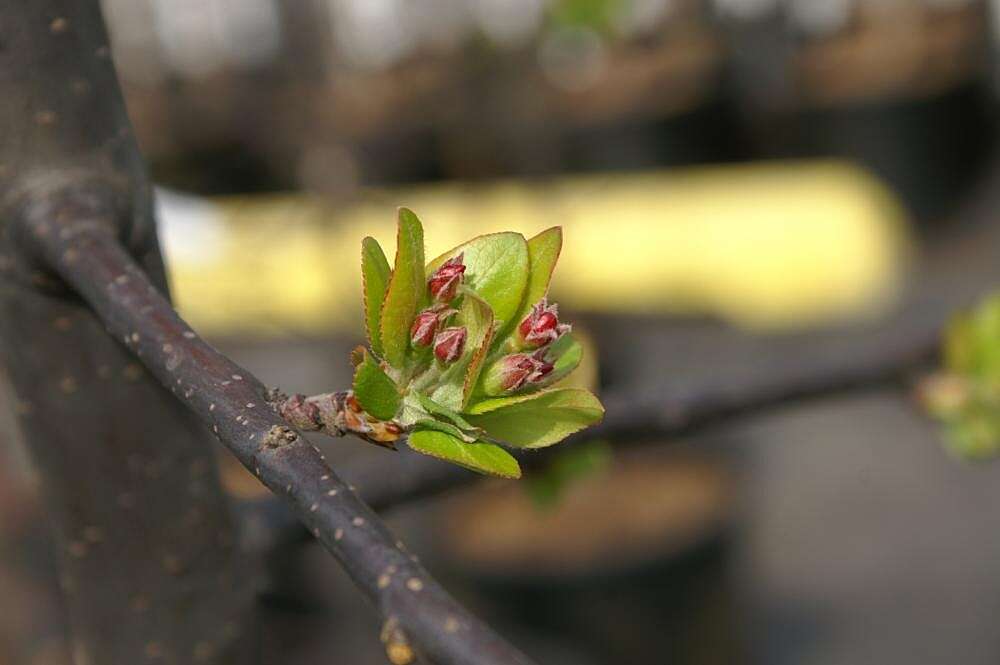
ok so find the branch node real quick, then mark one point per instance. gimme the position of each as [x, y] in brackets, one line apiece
[397, 646]
[279, 436]
[335, 414]
[300, 413]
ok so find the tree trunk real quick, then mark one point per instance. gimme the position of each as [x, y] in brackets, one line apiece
[150, 570]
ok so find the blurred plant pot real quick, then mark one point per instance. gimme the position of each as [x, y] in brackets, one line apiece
[904, 89]
[659, 101]
[900, 87]
[929, 150]
[630, 566]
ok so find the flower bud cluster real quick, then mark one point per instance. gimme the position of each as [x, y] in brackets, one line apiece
[533, 338]
[428, 327]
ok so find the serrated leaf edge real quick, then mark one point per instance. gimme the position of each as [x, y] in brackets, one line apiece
[374, 336]
[395, 272]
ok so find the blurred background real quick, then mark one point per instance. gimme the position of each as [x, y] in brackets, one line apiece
[748, 188]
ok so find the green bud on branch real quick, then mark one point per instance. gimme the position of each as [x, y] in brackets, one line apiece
[965, 395]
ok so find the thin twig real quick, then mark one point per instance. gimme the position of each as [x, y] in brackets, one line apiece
[234, 404]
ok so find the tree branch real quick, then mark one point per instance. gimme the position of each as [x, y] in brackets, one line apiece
[84, 251]
[383, 482]
[142, 530]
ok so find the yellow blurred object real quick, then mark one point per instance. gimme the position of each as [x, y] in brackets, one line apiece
[771, 245]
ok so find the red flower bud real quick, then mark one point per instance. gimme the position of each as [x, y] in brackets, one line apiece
[424, 327]
[541, 326]
[516, 371]
[427, 323]
[449, 344]
[445, 280]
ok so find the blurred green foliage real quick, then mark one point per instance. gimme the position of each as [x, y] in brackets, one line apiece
[965, 396]
[598, 15]
[569, 466]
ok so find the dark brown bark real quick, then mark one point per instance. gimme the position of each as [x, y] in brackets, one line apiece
[146, 543]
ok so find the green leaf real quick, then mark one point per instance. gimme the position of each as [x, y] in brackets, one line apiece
[448, 428]
[412, 411]
[406, 290]
[569, 466]
[543, 253]
[479, 320]
[496, 267]
[484, 458]
[567, 353]
[375, 391]
[375, 275]
[536, 420]
[457, 381]
[440, 411]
